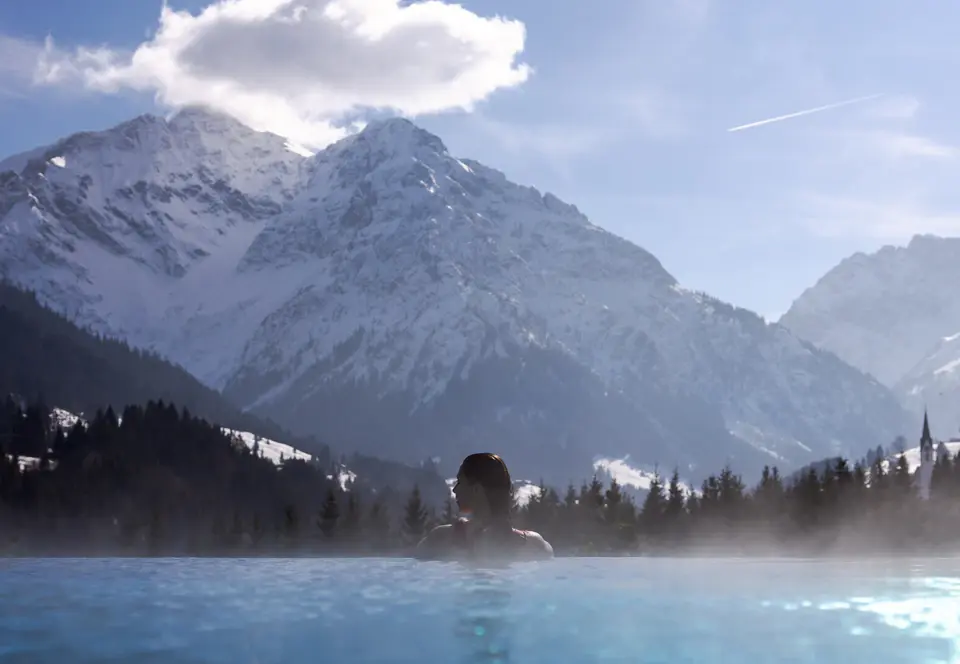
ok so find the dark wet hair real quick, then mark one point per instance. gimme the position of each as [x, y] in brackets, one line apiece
[489, 471]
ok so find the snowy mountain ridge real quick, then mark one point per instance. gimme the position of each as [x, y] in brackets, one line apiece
[894, 315]
[387, 294]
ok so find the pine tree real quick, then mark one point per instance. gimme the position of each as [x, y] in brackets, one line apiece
[808, 499]
[329, 514]
[654, 504]
[676, 500]
[594, 497]
[257, 531]
[349, 523]
[732, 494]
[236, 529]
[613, 503]
[845, 477]
[902, 480]
[859, 483]
[377, 526]
[291, 525]
[879, 481]
[549, 507]
[155, 532]
[940, 480]
[514, 502]
[449, 512]
[415, 517]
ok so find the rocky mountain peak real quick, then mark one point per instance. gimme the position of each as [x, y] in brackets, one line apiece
[394, 298]
[401, 136]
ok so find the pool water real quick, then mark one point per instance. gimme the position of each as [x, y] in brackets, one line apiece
[395, 610]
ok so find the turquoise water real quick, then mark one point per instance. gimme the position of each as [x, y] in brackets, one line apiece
[567, 610]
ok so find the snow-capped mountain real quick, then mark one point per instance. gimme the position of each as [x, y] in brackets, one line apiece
[403, 302]
[896, 315]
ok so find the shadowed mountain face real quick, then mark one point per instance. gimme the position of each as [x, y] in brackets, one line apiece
[44, 356]
[400, 301]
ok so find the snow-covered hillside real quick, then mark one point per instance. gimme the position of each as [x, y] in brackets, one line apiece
[278, 453]
[400, 301]
[64, 419]
[639, 479]
[271, 450]
[59, 418]
[951, 448]
[523, 490]
[896, 315]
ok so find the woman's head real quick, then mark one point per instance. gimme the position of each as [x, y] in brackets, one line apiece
[483, 486]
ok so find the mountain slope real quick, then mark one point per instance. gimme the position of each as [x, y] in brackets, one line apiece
[44, 355]
[895, 315]
[408, 303]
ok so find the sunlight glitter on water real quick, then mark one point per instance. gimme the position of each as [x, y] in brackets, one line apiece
[567, 610]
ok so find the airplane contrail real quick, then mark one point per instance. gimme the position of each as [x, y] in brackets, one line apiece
[828, 107]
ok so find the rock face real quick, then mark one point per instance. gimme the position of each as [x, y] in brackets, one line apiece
[403, 302]
[894, 314]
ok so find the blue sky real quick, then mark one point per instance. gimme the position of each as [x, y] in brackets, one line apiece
[621, 107]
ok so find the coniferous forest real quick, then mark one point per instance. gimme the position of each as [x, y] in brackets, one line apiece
[47, 359]
[156, 480]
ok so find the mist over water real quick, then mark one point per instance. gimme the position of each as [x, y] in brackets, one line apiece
[566, 610]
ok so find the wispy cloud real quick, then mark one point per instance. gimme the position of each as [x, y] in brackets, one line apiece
[18, 63]
[900, 145]
[886, 218]
[650, 113]
[552, 140]
[535, 152]
[901, 107]
[298, 68]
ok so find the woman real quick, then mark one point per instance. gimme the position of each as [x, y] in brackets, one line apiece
[484, 497]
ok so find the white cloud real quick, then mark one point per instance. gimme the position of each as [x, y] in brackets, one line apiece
[587, 125]
[879, 218]
[653, 113]
[894, 107]
[299, 67]
[892, 145]
[553, 140]
[17, 61]
[898, 145]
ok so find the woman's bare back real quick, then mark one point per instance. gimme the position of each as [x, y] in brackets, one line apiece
[463, 540]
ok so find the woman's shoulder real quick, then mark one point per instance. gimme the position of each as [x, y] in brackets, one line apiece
[535, 544]
[441, 540]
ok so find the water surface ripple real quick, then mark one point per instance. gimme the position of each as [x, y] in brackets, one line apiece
[394, 610]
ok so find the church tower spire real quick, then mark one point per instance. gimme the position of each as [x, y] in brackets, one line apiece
[925, 472]
[925, 437]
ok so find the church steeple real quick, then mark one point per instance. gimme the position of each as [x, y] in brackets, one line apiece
[926, 441]
[925, 437]
[927, 462]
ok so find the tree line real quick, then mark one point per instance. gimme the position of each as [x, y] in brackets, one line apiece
[44, 353]
[46, 357]
[157, 480]
[830, 508]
